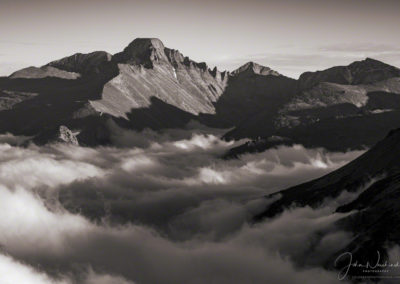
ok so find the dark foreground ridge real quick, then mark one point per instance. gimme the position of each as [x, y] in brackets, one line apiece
[373, 216]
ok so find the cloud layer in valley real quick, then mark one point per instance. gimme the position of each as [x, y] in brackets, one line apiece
[161, 210]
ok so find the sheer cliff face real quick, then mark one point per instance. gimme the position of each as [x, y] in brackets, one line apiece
[147, 69]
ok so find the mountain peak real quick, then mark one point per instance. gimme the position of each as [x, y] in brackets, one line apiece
[365, 71]
[82, 63]
[370, 70]
[143, 51]
[255, 68]
[369, 63]
[371, 59]
[140, 43]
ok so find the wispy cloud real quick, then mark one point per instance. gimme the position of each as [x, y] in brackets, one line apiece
[361, 47]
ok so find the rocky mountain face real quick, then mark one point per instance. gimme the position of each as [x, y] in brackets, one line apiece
[148, 85]
[145, 85]
[373, 215]
[148, 70]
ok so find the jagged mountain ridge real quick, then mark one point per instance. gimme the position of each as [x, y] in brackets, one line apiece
[145, 85]
[150, 85]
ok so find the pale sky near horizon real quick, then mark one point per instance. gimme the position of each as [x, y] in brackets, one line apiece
[290, 36]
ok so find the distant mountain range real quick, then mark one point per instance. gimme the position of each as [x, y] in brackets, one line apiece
[150, 86]
[345, 107]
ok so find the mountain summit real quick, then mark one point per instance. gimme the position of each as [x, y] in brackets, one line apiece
[143, 51]
[366, 71]
[251, 68]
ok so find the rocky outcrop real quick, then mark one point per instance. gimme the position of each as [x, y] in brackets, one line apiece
[67, 136]
[58, 134]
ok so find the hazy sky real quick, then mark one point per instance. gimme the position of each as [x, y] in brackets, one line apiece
[291, 36]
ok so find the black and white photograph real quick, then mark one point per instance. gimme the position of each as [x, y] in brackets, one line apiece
[199, 141]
